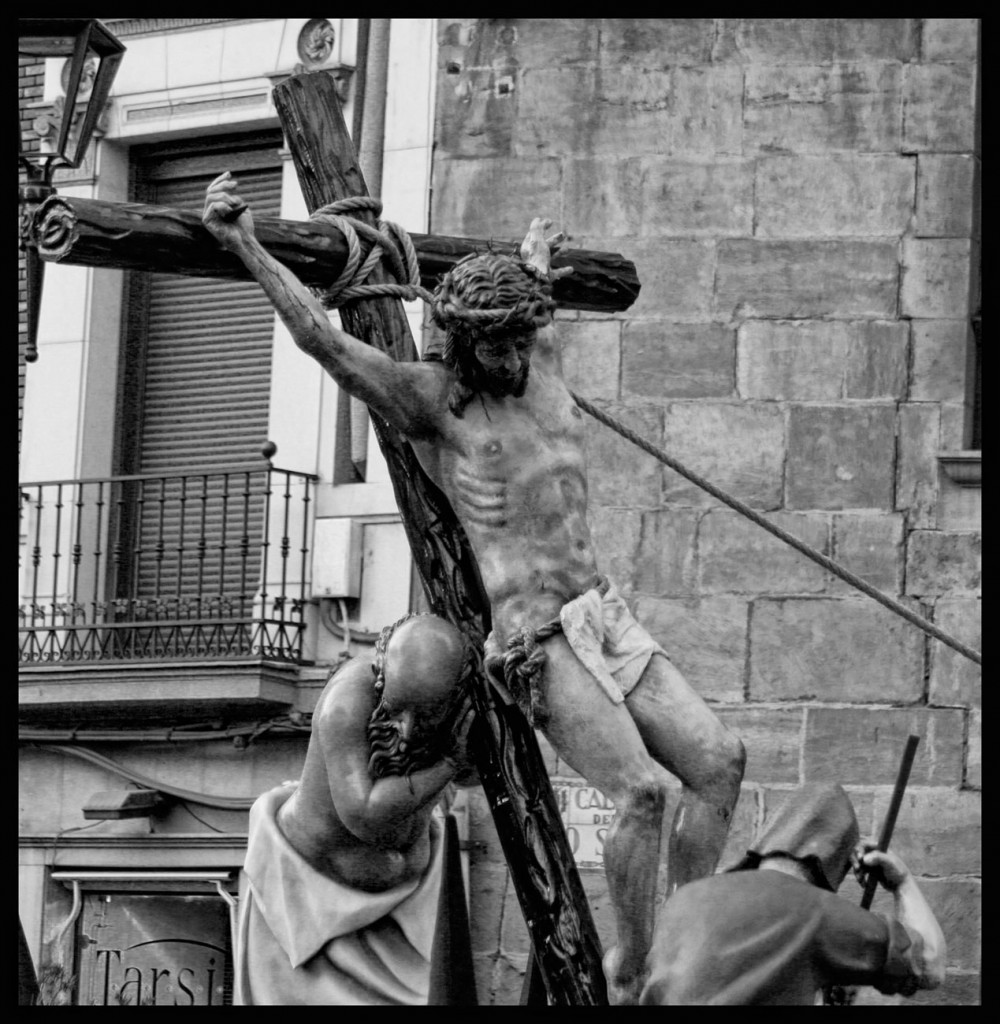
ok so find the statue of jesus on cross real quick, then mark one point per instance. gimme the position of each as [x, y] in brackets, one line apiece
[496, 429]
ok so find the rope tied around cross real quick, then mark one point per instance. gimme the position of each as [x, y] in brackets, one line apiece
[390, 243]
[534, 308]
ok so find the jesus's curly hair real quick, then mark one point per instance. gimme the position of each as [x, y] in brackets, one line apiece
[485, 296]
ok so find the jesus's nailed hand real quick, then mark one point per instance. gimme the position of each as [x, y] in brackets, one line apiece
[226, 215]
[537, 250]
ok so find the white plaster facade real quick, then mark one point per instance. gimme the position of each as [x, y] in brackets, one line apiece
[182, 83]
[215, 79]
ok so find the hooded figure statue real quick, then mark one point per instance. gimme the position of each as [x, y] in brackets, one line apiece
[818, 828]
[771, 931]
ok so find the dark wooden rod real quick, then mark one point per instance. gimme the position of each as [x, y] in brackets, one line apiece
[902, 777]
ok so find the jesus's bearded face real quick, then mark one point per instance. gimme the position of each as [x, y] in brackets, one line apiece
[505, 361]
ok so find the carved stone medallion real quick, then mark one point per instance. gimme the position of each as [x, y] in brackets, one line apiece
[316, 42]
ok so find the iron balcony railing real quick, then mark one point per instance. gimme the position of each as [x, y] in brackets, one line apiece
[182, 565]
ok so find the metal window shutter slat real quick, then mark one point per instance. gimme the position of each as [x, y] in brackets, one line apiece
[205, 407]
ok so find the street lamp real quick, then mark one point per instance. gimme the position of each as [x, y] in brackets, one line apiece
[94, 55]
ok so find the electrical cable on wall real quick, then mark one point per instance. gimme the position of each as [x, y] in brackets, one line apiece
[342, 604]
[342, 629]
[226, 803]
[203, 732]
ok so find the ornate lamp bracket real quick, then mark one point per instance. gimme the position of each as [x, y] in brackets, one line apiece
[92, 57]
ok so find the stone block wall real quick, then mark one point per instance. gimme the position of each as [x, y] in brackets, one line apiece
[799, 198]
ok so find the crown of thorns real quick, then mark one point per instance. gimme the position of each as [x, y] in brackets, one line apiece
[492, 294]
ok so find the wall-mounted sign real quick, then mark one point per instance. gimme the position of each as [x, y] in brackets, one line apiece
[586, 814]
[162, 950]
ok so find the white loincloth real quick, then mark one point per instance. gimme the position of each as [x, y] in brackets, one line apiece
[606, 638]
[609, 642]
[305, 939]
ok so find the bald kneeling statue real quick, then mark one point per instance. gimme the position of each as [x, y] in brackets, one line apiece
[345, 866]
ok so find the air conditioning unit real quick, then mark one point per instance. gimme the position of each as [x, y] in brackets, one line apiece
[336, 570]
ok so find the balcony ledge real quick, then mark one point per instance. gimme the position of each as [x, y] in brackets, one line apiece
[155, 690]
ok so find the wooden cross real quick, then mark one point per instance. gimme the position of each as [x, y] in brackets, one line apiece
[510, 765]
[139, 236]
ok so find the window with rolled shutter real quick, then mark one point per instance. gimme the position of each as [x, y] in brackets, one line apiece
[196, 394]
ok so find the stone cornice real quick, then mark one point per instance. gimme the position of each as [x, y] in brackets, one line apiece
[964, 468]
[163, 840]
[135, 690]
[183, 851]
[124, 27]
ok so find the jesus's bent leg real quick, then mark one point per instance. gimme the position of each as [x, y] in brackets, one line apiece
[687, 738]
[598, 739]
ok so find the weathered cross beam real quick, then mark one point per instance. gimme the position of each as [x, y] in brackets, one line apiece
[136, 236]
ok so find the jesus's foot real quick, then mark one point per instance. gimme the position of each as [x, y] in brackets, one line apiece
[624, 987]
